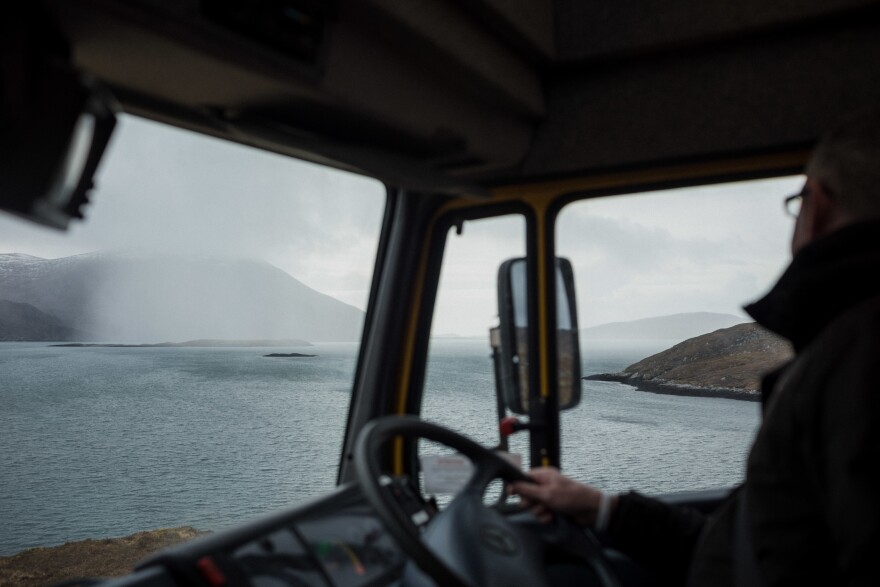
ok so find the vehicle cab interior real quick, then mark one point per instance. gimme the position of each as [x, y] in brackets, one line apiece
[512, 174]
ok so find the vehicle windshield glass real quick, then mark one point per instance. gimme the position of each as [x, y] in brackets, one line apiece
[460, 378]
[184, 356]
[669, 272]
[652, 271]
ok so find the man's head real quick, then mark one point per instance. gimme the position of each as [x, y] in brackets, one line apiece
[843, 180]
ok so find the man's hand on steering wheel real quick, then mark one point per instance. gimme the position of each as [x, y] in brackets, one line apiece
[469, 544]
[552, 492]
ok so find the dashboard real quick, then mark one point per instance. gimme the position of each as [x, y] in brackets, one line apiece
[335, 541]
[339, 541]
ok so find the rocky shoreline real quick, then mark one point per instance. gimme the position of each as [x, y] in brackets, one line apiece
[727, 363]
[671, 388]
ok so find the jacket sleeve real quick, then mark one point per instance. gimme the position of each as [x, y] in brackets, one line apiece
[846, 454]
[659, 536]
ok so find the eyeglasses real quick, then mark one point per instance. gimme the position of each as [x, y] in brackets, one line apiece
[794, 202]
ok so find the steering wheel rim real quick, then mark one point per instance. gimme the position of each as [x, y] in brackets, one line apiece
[488, 466]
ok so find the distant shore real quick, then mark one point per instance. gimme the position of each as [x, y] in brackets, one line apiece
[208, 343]
[671, 388]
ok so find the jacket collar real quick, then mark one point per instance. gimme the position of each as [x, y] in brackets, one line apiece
[825, 278]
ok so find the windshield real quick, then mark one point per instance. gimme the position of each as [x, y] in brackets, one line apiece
[651, 271]
[185, 356]
[672, 364]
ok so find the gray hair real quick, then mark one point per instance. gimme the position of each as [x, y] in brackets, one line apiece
[847, 162]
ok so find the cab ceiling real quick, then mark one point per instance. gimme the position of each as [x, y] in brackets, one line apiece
[453, 95]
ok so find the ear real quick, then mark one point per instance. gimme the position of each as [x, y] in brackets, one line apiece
[824, 215]
[818, 215]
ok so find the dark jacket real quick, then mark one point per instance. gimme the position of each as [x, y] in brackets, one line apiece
[813, 513]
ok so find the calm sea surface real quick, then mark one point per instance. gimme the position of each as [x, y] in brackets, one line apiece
[98, 442]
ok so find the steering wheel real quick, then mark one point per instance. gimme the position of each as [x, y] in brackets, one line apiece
[468, 544]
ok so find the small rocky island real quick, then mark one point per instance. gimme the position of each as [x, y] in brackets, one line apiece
[288, 355]
[726, 363]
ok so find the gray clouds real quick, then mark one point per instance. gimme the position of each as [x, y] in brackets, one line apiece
[699, 249]
[169, 190]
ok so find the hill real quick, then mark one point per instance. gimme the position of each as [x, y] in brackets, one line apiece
[672, 327]
[24, 322]
[728, 362]
[154, 298]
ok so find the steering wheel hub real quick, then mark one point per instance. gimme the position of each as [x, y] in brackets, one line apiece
[467, 544]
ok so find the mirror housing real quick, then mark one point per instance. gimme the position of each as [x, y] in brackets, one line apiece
[54, 124]
[511, 339]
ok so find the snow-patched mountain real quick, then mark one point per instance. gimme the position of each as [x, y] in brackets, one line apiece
[671, 327]
[154, 298]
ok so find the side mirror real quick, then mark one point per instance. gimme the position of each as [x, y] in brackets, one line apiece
[511, 340]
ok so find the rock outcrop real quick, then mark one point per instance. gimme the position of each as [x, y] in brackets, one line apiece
[726, 363]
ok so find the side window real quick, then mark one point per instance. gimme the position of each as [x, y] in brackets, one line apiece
[185, 356]
[460, 380]
[654, 271]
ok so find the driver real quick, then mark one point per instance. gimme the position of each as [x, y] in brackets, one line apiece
[808, 511]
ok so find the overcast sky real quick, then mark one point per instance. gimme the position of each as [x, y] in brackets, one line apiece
[169, 190]
[707, 249]
[702, 249]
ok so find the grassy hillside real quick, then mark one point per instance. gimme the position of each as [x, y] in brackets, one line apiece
[727, 360]
[109, 557]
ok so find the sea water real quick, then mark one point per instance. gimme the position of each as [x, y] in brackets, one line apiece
[99, 442]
